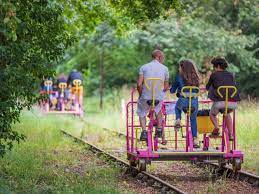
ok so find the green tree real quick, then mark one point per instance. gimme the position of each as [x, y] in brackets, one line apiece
[236, 15]
[184, 38]
[32, 36]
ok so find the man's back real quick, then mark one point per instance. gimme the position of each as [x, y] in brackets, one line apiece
[154, 69]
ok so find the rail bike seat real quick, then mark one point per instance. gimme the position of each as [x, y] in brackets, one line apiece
[185, 109]
[150, 102]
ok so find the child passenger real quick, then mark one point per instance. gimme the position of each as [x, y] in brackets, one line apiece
[221, 77]
[187, 76]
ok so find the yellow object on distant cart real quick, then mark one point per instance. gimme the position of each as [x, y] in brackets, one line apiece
[77, 88]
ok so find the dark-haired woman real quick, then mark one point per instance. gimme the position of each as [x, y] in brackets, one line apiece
[221, 77]
[187, 76]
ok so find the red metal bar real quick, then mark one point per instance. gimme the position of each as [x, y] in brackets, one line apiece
[187, 133]
[234, 129]
[127, 126]
[132, 122]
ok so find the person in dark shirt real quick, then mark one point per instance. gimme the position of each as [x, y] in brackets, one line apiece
[62, 78]
[76, 75]
[188, 76]
[221, 77]
[63, 91]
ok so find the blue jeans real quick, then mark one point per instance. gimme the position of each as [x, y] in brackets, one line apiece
[184, 103]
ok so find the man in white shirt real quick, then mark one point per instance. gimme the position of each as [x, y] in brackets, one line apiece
[154, 69]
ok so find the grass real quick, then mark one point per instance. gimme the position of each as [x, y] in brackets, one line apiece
[247, 123]
[248, 134]
[49, 163]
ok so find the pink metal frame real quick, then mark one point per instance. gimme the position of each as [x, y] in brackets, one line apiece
[228, 147]
[45, 106]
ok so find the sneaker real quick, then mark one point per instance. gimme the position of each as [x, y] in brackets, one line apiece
[164, 142]
[143, 135]
[158, 133]
[177, 125]
[231, 138]
[215, 132]
[195, 143]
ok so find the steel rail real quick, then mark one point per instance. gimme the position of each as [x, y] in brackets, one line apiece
[150, 179]
[253, 179]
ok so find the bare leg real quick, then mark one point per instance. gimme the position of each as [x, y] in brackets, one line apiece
[159, 120]
[142, 121]
[214, 120]
[229, 124]
[160, 126]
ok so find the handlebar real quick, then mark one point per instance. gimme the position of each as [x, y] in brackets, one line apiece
[152, 88]
[227, 95]
[195, 95]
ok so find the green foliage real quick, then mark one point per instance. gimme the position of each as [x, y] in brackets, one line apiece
[32, 36]
[184, 38]
[239, 16]
[141, 11]
[50, 163]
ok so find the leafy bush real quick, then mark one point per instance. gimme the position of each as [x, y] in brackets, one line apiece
[32, 36]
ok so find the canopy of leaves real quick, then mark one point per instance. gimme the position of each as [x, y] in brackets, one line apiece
[32, 35]
[185, 38]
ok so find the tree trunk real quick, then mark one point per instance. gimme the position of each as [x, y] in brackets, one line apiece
[101, 89]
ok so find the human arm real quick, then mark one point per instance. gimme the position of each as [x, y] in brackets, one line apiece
[140, 81]
[209, 82]
[166, 82]
[175, 85]
[140, 84]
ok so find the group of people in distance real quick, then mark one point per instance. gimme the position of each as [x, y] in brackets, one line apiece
[187, 76]
[63, 89]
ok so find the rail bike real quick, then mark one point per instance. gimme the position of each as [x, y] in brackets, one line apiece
[63, 99]
[178, 144]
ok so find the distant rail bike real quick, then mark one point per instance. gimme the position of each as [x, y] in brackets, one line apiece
[178, 145]
[62, 99]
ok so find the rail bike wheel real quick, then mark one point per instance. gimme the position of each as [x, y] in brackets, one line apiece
[142, 165]
[222, 163]
[236, 164]
[132, 162]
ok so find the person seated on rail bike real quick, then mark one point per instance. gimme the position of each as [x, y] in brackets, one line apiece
[63, 91]
[76, 75]
[187, 76]
[154, 69]
[221, 77]
[46, 85]
[53, 97]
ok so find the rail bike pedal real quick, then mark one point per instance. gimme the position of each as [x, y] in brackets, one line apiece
[143, 136]
[159, 133]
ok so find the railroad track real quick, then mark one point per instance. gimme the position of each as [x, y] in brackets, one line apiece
[150, 179]
[253, 179]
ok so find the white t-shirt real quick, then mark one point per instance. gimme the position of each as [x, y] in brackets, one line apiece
[154, 69]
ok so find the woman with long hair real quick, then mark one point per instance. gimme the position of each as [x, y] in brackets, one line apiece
[187, 76]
